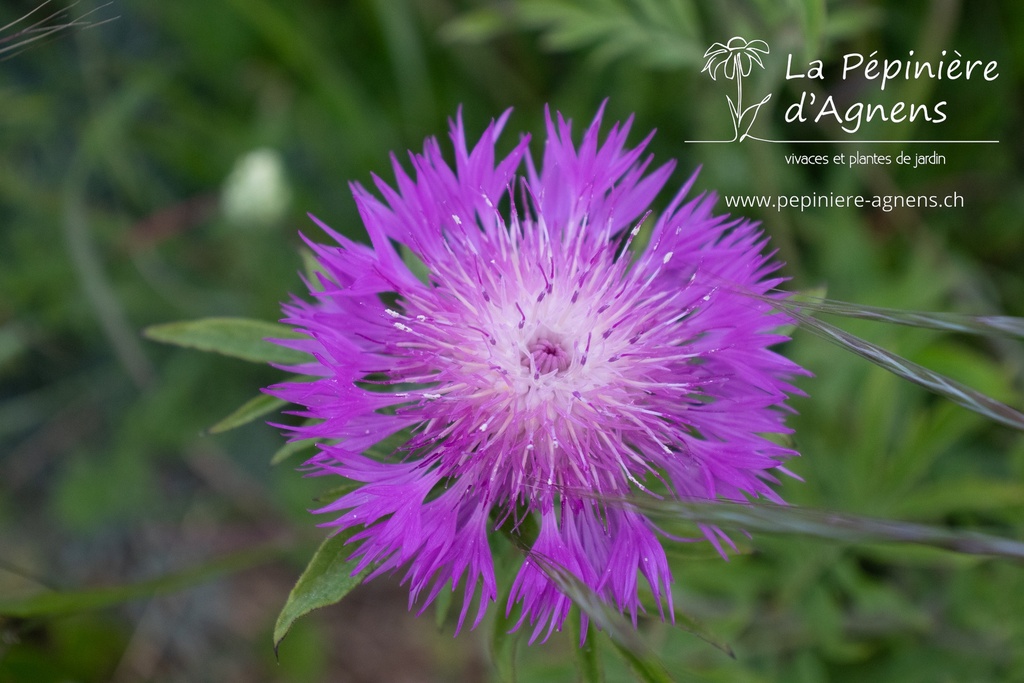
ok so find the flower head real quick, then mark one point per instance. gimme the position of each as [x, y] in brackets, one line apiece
[735, 57]
[539, 370]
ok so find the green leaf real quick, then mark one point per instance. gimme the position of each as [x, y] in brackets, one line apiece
[255, 407]
[416, 265]
[312, 268]
[504, 643]
[442, 605]
[383, 449]
[647, 668]
[291, 448]
[699, 629]
[327, 579]
[601, 614]
[69, 602]
[242, 338]
[588, 659]
[335, 492]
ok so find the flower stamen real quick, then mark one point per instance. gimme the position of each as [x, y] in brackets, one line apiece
[548, 355]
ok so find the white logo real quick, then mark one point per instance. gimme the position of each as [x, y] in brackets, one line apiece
[735, 59]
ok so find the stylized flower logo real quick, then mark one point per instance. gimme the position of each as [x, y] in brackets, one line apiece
[736, 56]
[736, 59]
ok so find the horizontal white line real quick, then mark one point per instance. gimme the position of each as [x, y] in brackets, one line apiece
[853, 142]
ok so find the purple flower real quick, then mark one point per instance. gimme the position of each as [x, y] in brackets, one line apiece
[540, 371]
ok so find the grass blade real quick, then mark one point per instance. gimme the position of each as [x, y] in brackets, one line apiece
[831, 526]
[947, 322]
[603, 615]
[912, 372]
[588, 657]
[57, 603]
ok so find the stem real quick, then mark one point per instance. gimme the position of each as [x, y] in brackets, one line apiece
[739, 88]
[739, 96]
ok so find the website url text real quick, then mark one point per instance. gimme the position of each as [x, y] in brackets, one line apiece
[831, 200]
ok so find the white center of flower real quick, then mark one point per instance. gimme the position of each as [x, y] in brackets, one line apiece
[548, 355]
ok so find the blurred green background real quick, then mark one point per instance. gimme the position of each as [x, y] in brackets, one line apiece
[125, 149]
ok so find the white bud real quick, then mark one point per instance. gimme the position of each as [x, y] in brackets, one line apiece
[256, 192]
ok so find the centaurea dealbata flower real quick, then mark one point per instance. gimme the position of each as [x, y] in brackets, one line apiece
[542, 370]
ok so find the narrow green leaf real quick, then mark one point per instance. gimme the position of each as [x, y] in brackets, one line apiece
[254, 408]
[504, 643]
[647, 668]
[242, 338]
[701, 630]
[415, 264]
[692, 625]
[326, 580]
[588, 658]
[381, 450]
[312, 268]
[442, 605]
[601, 614]
[291, 448]
[335, 492]
[56, 603]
